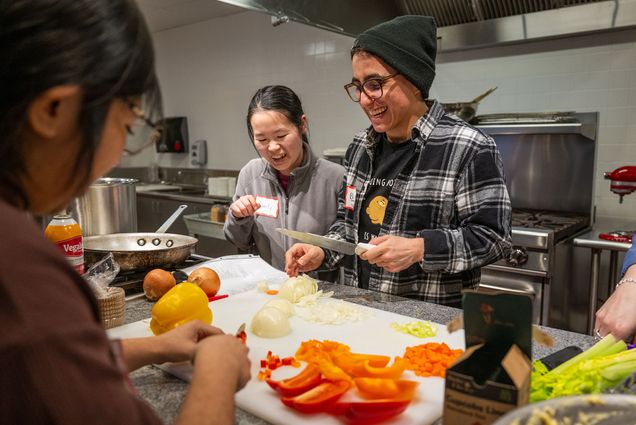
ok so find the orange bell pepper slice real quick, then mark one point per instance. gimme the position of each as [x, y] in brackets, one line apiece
[354, 364]
[391, 372]
[319, 398]
[396, 389]
[307, 379]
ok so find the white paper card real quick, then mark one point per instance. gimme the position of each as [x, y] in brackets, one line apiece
[269, 206]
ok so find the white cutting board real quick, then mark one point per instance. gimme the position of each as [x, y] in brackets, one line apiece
[371, 335]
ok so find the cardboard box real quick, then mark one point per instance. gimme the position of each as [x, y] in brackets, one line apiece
[493, 376]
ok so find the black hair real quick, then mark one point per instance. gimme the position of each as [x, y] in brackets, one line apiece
[280, 99]
[103, 46]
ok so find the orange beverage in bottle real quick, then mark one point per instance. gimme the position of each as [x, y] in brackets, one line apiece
[66, 234]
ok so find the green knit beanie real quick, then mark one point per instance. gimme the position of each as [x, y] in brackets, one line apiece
[408, 44]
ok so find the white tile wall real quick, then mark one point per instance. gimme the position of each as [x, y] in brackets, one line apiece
[210, 70]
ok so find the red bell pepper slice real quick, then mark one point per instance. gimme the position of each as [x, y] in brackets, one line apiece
[369, 412]
[319, 398]
[307, 379]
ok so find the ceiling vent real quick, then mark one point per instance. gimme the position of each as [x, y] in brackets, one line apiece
[456, 12]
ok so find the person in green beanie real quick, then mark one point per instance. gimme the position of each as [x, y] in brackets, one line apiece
[425, 188]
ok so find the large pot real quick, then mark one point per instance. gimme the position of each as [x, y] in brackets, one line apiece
[108, 206]
[136, 251]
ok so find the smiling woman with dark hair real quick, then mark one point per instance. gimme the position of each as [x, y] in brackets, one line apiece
[73, 77]
[301, 191]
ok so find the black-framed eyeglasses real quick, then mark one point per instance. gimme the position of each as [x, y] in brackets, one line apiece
[372, 88]
[142, 119]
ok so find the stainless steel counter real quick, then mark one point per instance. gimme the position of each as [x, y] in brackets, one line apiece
[196, 196]
[166, 393]
[592, 241]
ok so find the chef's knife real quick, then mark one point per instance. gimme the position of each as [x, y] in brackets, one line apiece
[328, 243]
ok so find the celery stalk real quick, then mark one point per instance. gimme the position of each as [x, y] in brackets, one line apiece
[596, 350]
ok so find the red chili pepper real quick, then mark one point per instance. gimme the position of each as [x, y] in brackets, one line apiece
[307, 379]
[319, 398]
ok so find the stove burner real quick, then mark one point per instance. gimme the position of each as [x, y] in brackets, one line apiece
[562, 224]
[132, 280]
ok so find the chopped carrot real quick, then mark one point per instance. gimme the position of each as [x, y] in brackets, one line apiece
[431, 359]
[272, 291]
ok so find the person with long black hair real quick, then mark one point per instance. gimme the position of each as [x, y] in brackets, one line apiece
[75, 78]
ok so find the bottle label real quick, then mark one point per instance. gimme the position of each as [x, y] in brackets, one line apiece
[73, 250]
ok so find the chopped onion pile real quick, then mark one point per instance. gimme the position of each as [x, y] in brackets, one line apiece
[332, 312]
[419, 329]
[297, 287]
[312, 299]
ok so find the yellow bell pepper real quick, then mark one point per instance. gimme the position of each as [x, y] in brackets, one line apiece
[183, 303]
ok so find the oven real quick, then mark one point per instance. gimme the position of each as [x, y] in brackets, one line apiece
[549, 162]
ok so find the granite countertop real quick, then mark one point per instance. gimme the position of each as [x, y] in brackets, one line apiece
[165, 393]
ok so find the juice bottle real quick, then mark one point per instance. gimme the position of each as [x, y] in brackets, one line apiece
[66, 234]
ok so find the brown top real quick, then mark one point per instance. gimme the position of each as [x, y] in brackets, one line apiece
[56, 363]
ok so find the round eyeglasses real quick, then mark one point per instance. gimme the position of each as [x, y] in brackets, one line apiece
[136, 129]
[371, 87]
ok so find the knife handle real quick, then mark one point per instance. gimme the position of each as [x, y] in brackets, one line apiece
[361, 248]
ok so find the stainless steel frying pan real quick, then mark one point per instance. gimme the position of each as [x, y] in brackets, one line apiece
[134, 251]
[466, 110]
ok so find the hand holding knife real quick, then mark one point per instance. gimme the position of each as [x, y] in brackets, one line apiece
[241, 334]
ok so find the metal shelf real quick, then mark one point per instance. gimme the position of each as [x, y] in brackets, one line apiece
[200, 224]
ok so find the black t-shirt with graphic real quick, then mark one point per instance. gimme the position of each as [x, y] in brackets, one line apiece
[389, 161]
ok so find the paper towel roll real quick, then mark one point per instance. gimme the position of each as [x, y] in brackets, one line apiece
[231, 186]
[217, 186]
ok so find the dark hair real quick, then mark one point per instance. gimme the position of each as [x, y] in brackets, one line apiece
[280, 99]
[103, 46]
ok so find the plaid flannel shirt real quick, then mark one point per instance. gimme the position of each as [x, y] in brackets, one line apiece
[454, 197]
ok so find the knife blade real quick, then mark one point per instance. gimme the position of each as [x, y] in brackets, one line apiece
[240, 333]
[328, 243]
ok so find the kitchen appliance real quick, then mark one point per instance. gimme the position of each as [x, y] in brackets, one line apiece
[623, 181]
[343, 247]
[549, 168]
[134, 251]
[466, 110]
[174, 135]
[108, 206]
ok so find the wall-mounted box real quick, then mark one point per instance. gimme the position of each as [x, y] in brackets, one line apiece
[175, 135]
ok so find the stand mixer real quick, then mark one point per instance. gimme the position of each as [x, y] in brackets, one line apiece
[623, 181]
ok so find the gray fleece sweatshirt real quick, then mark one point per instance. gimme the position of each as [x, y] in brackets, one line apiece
[310, 205]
